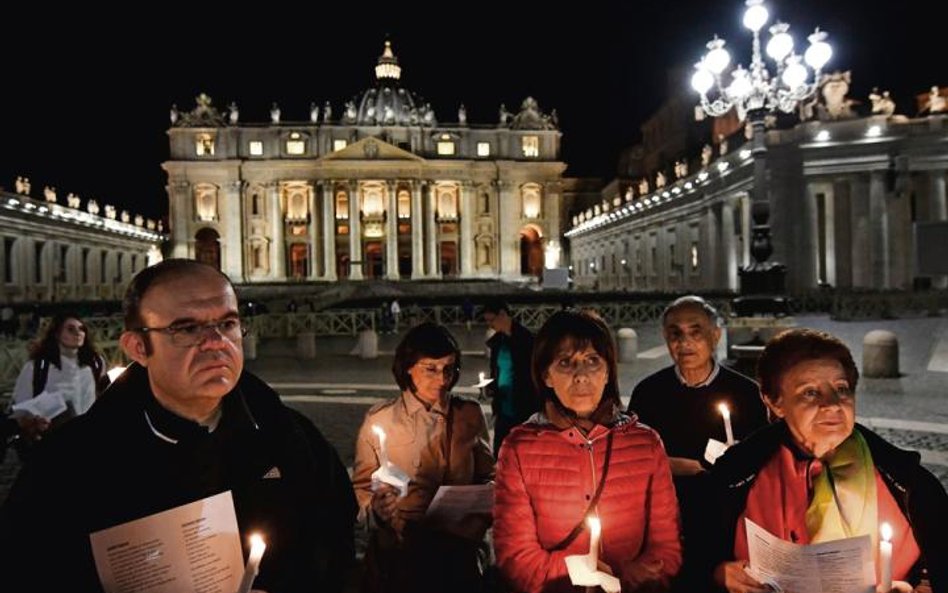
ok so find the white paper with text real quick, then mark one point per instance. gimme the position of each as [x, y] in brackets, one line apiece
[193, 547]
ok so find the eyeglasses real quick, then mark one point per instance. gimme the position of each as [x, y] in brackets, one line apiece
[187, 335]
[433, 372]
[587, 364]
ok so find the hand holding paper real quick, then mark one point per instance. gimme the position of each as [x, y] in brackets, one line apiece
[47, 404]
[388, 472]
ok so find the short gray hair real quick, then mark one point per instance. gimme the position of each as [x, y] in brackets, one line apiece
[692, 300]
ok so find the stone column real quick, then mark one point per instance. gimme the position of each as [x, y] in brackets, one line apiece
[329, 230]
[859, 210]
[431, 232]
[842, 232]
[417, 242]
[829, 230]
[745, 259]
[466, 237]
[278, 251]
[879, 240]
[314, 232]
[391, 232]
[181, 212]
[709, 249]
[938, 211]
[729, 245]
[355, 233]
[808, 233]
[508, 217]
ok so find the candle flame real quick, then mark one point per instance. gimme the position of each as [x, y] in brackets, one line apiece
[724, 409]
[378, 431]
[886, 530]
[256, 540]
[115, 372]
[595, 527]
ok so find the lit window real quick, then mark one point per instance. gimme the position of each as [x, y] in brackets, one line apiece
[296, 144]
[531, 146]
[342, 206]
[530, 194]
[204, 145]
[404, 204]
[483, 149]
[338, 144]
[445, 148]
[256, 148]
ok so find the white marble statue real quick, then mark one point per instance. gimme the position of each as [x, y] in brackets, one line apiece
[234, 113]
[643, 186]
[462, 115]
[110, 211]
[882, 104]
[20, 188]
[27, 188]
[706, 154]
[327, 112]
[681, 169]
[936, 101]
[125, 216]
[504, 114]
[275, 113]
[49, 193]
[72, 200]
[659, 180]
[93, 207]
[174, 113]
[313, 112]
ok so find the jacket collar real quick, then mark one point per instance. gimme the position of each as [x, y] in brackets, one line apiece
[412, 404]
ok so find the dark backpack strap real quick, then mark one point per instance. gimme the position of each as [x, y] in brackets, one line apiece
[40, 374]
[566, 541]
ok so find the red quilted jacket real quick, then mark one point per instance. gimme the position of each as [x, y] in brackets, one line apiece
[546, 477]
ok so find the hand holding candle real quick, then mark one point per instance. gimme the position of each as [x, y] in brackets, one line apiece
[885, 558]
[726, 413]
[481, 376]
[257, 547]
[595, 532]
[388, 472]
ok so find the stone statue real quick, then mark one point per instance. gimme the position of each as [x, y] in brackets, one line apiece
[370, 114]
[833, 89]
[139, 220]
[110, 211]
[125, 216]
[659, 180]
[350, 111]
[49, 193]
[72, 200]
[504, 114]
[93, 207]
[722, 145]
[20, 188]
[327, 112]
[936, 102]
[234, 114]
[413, 116]
[275, 113]
[313, 113]
[628, 194]
[881, 104]
[706, 153]
[174, 113]
[429, 114]
[27, 188]
[643, 187]
[555, 119]
[388, 114]
[150, 224]
[462, 115]
[161, 228]
[681, 169]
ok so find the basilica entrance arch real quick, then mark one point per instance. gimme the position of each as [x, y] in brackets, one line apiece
[207, 247]
[531, 251]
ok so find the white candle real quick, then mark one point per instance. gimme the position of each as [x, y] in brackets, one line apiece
[383, 456]
[257, 546]
[595, 532]
[885, 558]
[727, 423]
[480, 377]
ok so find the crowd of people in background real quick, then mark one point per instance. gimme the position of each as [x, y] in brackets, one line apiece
[652, 496]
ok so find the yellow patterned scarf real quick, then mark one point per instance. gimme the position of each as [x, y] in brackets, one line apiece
[844, 495]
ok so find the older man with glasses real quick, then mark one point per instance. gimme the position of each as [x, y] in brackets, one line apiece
[182, 424]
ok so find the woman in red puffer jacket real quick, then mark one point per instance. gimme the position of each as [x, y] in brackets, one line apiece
[581, 457]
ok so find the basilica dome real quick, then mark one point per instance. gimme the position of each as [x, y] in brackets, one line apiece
[387, 103]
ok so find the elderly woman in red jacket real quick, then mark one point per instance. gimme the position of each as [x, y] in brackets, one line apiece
[581, 457]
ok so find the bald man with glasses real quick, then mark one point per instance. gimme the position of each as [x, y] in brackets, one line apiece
[183, 423]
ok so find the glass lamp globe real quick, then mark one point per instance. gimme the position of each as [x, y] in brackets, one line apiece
[794, 75]
[717, 58]
[702, 80]
[755, 17]
[819, 52]
[781, 43]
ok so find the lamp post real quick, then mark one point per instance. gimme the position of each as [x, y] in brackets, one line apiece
[754, 93]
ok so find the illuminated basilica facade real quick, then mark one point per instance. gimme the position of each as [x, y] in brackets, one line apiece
[380, 189]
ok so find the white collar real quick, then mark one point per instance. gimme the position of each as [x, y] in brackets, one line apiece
[715, 369]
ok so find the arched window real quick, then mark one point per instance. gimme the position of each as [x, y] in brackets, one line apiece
[207, 247]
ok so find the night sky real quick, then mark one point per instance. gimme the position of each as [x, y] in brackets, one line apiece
[85, 104]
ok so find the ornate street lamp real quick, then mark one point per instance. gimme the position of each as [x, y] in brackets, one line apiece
[753, 93]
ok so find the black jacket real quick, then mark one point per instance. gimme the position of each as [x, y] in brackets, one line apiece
[520, 342]
[920, 496]
[110, 466]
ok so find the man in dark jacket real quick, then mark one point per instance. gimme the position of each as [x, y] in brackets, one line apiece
[182, 424]
[513, 398]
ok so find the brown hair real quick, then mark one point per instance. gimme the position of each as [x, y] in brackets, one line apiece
[163, 271]
[581, 328]
[793, 346]
[425, 340]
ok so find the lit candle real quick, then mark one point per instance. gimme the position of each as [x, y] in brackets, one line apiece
[383, 456]
[595, 531]
[115, 372]
[727, 423]
[481, 377]
[885, 558]
[257, 546]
